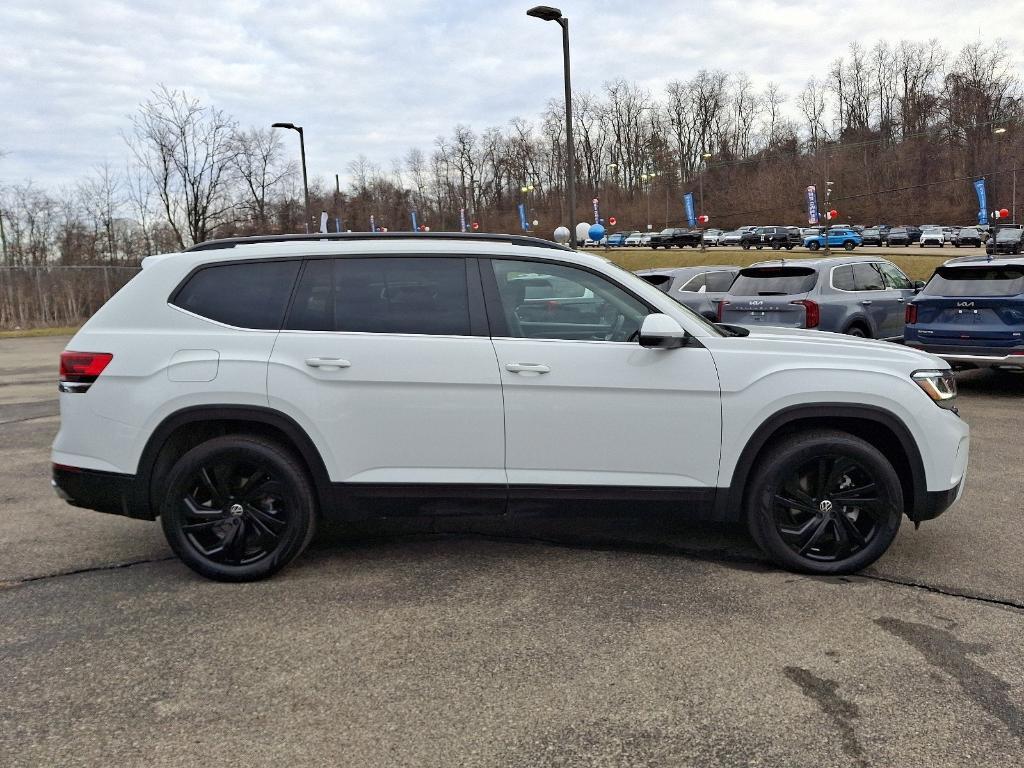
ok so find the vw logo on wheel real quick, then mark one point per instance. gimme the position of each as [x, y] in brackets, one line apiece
[825, 507]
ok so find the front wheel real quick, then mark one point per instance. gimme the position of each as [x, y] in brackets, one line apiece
[824, 502]
[813, 245]
[745, 246]
[848, 245]
[238, 508]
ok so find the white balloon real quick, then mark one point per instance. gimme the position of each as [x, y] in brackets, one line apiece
[562, 235]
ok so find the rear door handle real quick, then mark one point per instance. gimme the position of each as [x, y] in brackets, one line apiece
[866, 302]
[327, 362]
[901, 300]
[527, 368]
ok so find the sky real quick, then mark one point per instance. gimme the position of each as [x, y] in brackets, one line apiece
[377, 78]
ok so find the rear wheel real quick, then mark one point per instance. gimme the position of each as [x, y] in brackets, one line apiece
[813, 245]
[848, 245]
[238, 508]
[856, 330]
[824, 502]
[745, 246]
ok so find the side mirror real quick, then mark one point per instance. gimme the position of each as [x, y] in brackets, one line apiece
[919, 284]
[661, 332]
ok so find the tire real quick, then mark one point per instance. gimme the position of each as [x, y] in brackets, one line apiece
[789, 247]
[745, 246]
[814, 245]
[858, 331]
[956, 245]
[775, 246]
[786, 512]
[849, 245]
[225, 532]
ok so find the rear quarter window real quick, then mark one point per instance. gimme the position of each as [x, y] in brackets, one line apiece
[976, 281]
[248, 295]
[774, 281]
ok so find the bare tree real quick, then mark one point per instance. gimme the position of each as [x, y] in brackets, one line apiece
[257, 159]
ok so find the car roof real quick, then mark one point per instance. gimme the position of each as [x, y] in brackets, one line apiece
[967, 261]
[823, 261]
[686, 270]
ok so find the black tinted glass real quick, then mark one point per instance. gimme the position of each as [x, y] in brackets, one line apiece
[842, 278]
[976, 281]
[719, 282]
[386, 295]
[250, 295]
[774, 281]
[868, 278]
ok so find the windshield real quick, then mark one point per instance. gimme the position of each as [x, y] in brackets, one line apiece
[1008, 235]
[870, 232]
[898, 231]
[976, 281]
[968, 232]
[774, 281]
[667, 231]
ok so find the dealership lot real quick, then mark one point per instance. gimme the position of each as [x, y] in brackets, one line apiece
[534, 642]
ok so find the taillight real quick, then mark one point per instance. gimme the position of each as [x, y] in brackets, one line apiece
[78, 370]
[721, 309]
[812, 313]
[910, 315]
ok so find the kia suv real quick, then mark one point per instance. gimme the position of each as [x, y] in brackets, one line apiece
[699, 288]
[246, 389]
[971, 313]
[858, 297]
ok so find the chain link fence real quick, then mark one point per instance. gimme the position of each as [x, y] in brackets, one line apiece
[32, 297]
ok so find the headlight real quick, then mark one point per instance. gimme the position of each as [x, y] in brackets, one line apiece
[940, 386]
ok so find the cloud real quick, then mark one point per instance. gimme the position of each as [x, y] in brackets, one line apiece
[377, 78]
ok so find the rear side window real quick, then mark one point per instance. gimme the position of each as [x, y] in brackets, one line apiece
[842, 279]
[719, 282]
[976, 281]
[774, 281]
[695, 284]
[249, 295]
[385, 295]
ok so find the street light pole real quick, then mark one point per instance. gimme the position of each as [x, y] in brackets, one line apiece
[302, 152]
[704, 157]
[547, 13]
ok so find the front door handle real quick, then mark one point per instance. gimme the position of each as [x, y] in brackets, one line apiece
[527, 368]
[866, 302]
[327, 362]
[901, 300]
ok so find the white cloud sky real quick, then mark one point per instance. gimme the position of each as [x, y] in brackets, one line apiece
[377, 78]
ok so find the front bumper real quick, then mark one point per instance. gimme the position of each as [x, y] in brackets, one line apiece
[108, 492]
[937, 502]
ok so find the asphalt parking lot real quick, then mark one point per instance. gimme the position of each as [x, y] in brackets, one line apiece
[508, 643]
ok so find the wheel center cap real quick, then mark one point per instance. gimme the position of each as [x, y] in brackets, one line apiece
[236, 510]
[825, 507]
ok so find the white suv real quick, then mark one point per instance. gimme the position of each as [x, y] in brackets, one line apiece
[245, 388]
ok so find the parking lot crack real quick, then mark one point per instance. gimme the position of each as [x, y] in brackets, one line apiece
[79, 571]
[1004, 602]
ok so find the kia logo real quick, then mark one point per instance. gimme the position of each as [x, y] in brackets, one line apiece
[965, 303]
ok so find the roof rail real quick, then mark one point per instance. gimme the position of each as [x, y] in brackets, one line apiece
[231, 242]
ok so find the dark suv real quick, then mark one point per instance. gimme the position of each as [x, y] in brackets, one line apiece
[772, 237]
[676, 236]
[967, 236]
[1009, 240]
[873, 236]
[860, 297]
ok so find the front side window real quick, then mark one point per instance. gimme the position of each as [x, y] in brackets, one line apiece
[868, 278]
[894, 278]
[252, 295]
[842, 279]
[383, 295]
[591, 308]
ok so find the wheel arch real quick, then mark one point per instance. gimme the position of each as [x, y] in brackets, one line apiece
[877, 426]
[864, 321]
[187, 428]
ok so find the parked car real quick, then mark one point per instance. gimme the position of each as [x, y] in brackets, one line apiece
[676, 236]
[635, 240]
[900, 236]
[967, 236]
[731, 238]
[1009, 240]
[971, 313]
[932, 236]
[914, 232]
[712, 236]
[949, 233]
[838, 237]
[699, 288]
[872, 236]
[810, 231]
[617, 240]
[771, 237]
[645, 239]
[246, 389]
[856, 296]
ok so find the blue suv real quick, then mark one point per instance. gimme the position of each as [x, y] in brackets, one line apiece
[847, 294]
[971, 313]
[838, 237]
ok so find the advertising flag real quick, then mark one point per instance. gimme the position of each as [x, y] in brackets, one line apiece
[522, 218]
[373, 224]
[979, 188]
[812, 205]
[691, 215]
[462, 219]
[414, 227]
[597, 211]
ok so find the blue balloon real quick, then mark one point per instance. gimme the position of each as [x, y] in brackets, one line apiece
[596, 233]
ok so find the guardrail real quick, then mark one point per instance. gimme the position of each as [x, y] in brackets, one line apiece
[52, 295]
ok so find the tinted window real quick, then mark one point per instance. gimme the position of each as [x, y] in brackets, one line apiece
[976, 281]
[968, 232]
[385, 295]
[894, 278]
[600, 310]
[868, 278]
[658, 281]
[719, 282]
[774, 281]
[250, 295]
[694, 284]
[1008, 235]
[842, 278]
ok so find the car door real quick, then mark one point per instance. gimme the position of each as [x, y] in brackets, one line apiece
[586, 407]
[387, 362]
[883, 304]
[897, 281]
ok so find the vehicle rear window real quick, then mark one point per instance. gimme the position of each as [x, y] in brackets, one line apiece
[774, 281]
[248, 295]
[383, 295]
[976, 281]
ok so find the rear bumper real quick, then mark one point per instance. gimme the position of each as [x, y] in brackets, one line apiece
[108, 492]
[973, 357]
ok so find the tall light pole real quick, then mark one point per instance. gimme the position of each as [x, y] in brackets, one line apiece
[526, 189]
[302, 151]
[704, 157]
[547, 13]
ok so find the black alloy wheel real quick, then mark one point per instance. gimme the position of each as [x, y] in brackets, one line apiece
[238, 508]
[825, 502]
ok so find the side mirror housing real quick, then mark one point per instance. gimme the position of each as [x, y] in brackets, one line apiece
[919, 284]
[661, 332]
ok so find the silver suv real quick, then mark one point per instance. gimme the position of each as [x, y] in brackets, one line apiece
[857, 296]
